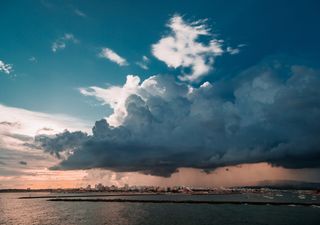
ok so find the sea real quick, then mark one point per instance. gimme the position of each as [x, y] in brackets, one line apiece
[40, 211]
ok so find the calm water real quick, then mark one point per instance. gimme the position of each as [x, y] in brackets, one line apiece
[39, 211]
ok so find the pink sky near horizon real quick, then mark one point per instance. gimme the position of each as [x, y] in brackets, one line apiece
[245, 174]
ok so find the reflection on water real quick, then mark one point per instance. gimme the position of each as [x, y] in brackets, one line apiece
[39, 211]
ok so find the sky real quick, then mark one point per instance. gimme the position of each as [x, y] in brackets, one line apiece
[205, 93]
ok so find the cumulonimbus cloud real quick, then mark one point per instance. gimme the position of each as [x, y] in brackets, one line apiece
[162, 125]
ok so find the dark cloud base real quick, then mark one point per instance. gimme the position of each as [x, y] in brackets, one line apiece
[271, 113]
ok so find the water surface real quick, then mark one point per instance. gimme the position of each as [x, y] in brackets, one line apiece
[39, 211]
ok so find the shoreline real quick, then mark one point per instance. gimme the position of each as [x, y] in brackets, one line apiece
[88, 196]
[124, 194]
[187, 202]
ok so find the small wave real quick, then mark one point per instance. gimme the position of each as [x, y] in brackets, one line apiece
[302, 197]
[268, 197]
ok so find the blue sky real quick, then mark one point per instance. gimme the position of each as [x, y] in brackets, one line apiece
[50, 84]
[155, 87]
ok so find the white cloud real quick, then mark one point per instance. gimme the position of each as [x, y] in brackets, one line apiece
[236, 50]
[112, 56]
[233, 51]
[145, 58]
[144, 63]
[26, 122]
[80, 13]
[182, 49]
[6, 68]
[17, 130]
[61, 42]
[33, 59]
[115, 97]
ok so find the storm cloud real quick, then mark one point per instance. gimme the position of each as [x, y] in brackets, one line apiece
[269, 113]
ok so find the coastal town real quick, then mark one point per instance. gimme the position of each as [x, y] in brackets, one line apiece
[267, 191]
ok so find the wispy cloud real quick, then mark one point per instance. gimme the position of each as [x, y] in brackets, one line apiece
[233, 51]
[112, 56]
[144, 63]
[80, 13]
[26, 122]
[19, 156]
[47, 4]
[61, 42]
[236, 50]
[33, 59]
[182, 48]
[5, 68]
